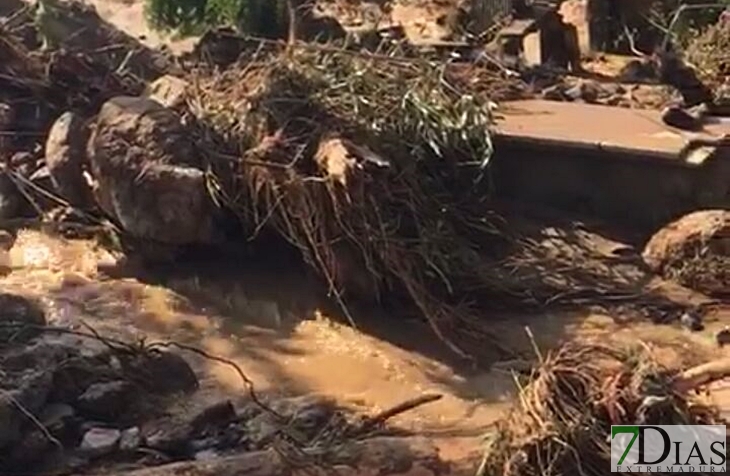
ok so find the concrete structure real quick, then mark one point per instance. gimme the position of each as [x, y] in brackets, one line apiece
[621, 164]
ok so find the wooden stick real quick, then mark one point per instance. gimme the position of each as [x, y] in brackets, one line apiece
[702, 375]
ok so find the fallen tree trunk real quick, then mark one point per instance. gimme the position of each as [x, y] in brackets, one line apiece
[382, 456]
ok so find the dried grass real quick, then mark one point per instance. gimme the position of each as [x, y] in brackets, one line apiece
[403, 198]
[709, 52]
[562, 423]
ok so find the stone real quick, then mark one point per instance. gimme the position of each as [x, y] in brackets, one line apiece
[164, 373]
[149, 175]
[60, 421]
[80, 372]
[722, 338]
[30, 392]
[583, 91]
[307, 415]
[168, 90]
[170, 438]
[66, 158]
[106, 401]
[206, 455]
[19, 310]
[693, 250]
[100, 442]
[216, 415]
[131, 439]
[691, 321]
[29, 452]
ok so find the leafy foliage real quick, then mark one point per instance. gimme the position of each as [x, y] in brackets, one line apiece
[265, 18]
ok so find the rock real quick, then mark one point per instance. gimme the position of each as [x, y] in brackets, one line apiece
[130, 440]
[207, 429]
[691, 321]
[81, 371]
[149, 175]
[216, 415]
[170, 91]
[100, 441]
[20, 311]
[106, 401]
[675, 116]
[206, 455]
[60, 421]
[170, 438]
[30, 392]
[583, 91]
[25, 163]
[694, 250]
[30, 452]
[307, 415]
[163, 373]
[66, 159]
[723, 337]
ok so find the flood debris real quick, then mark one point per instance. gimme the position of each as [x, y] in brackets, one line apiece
[562, 422]
[374, 166]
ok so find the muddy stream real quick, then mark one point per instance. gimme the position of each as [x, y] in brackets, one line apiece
[276, 325]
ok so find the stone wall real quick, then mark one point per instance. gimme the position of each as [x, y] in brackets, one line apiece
[633, 191]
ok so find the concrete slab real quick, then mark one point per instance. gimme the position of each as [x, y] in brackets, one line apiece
[636, 132]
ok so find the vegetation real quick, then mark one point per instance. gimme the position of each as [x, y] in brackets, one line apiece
[265, 18]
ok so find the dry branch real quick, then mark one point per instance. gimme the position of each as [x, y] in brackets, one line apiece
[702, 375]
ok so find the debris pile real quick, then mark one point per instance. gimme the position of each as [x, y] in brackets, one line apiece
[376, 170]
[368, 166]
[562, 424]
[708, 53]
[375, 167]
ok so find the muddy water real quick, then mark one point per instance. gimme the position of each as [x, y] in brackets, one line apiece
[275, 326]
[272, 329]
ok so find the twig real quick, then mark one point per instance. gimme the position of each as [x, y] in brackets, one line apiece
[535, 347]
[389, 413]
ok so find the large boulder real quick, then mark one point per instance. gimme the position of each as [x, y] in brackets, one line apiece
[694, 250]
[66, 159]
[149, 175]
